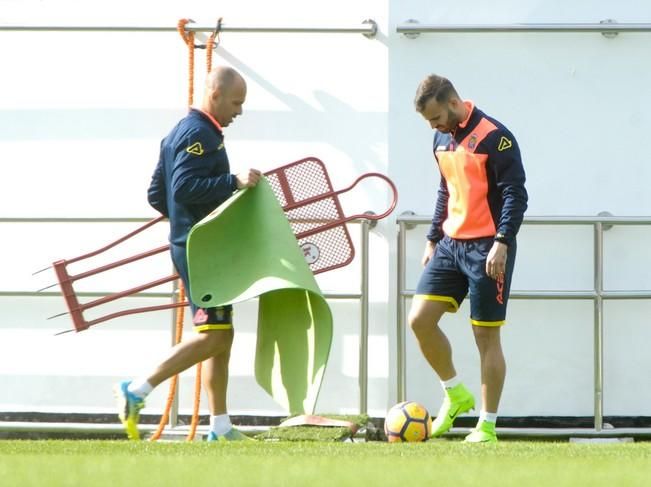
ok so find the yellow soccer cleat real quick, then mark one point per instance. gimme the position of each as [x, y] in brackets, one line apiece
[129, 406]
[230, 435]
[484, 432]
[458, 400]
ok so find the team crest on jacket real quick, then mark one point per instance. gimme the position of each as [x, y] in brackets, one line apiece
[472, 142]
[195, 149]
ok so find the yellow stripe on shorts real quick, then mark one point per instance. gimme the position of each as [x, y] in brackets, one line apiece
[213, 326]
[446, 299]
[487, 323]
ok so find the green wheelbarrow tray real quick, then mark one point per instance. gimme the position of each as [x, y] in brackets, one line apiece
[246, 249]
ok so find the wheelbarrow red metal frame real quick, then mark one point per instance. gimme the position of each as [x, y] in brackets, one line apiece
[303, 209]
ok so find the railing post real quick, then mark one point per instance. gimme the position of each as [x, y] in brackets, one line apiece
[401, 370]
[598, 325]
[363, 329]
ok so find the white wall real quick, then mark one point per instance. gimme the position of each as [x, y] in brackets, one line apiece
[577, 105]
[82, 114]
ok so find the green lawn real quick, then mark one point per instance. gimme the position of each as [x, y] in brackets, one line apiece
[313, 464]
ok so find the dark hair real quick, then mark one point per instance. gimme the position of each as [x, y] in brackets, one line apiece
[436, 87]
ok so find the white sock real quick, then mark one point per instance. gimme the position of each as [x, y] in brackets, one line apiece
[220, 424]
[450, 383]
[140, 388]
[488, 417]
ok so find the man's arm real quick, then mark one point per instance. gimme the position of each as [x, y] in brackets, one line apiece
[441, 142]
[506, 162]
[156, 194]
[440, 213]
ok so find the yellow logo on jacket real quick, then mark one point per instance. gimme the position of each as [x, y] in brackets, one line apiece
[195, 149]
[504, 144]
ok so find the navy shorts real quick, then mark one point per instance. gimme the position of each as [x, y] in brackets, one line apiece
[219, 318]
[458, 267]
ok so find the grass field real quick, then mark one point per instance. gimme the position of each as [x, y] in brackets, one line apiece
[314, 464]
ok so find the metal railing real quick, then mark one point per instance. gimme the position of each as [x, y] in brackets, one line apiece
[407, 221]
[412, 28]
[367, 28]
[361, 296]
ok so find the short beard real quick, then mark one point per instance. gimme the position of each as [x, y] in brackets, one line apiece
[453, 120]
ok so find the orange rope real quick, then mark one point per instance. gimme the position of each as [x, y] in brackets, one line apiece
[210, 45]
[188, 38]
[197, 401]
[170, 396]
[213, 41]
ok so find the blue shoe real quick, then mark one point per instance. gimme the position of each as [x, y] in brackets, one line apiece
[230, 435]
[129, 406]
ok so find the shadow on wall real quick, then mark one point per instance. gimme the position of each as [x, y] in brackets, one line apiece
[358, 134]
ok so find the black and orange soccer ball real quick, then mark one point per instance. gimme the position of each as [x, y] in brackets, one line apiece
[408, 421]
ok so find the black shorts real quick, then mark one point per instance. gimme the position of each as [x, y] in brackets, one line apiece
[204, 319]
[458, 267]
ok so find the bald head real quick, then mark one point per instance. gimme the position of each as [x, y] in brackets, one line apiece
[225, 94]
[223, 78]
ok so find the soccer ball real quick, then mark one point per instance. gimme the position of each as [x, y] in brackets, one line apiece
[408, 421]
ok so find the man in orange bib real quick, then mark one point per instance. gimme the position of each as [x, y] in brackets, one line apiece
[470, 247]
